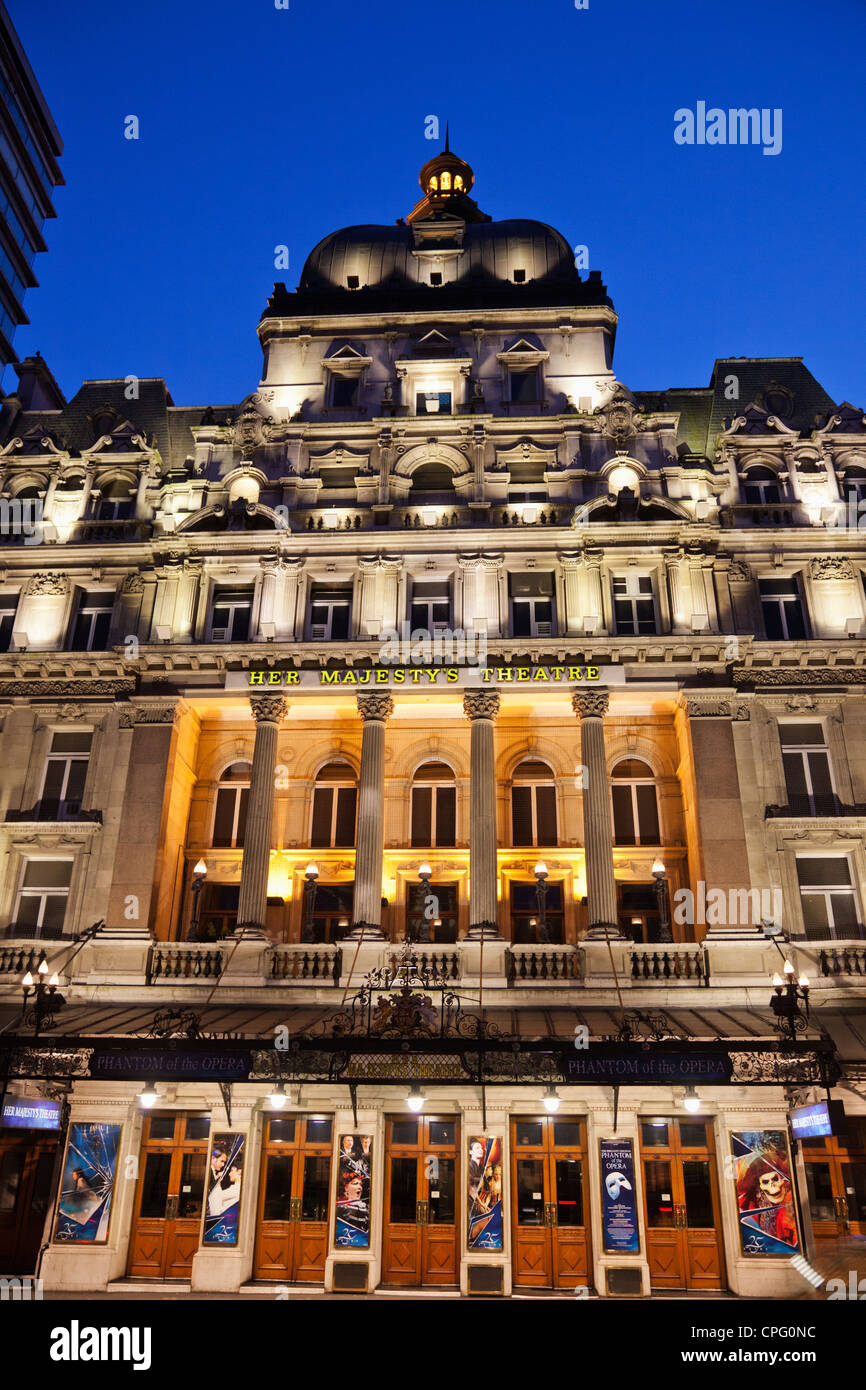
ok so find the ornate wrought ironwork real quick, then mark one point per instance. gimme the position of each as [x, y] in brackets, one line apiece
[56, 1063]
[174, 1023]
[643, 1027]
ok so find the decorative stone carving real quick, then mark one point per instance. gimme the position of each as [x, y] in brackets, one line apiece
[831, 567]
[590, 704]
[375, 706]
[133, 585]
[269, 709]
[739, 572]
[780, 676]
[703, 707]
[70, 712]
[481, 704]
[34, 688]
[47, 583]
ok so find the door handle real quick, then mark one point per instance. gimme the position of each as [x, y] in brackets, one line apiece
[171, 1205]
[841, 1209]
[550, 1214]
[680, 1214]
[295, 1209]
[421, 1213]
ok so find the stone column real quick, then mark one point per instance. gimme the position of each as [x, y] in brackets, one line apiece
[268, 711]
[370, 842]
[590, 707]
[482, 707]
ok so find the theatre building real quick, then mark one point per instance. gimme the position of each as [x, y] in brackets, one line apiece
[414, 776]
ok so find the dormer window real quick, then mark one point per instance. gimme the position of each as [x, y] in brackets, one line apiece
[445, 181]
[344, 391]
[524, 385]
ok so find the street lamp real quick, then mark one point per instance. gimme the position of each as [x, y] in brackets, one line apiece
[691, 1100]
[415, 1100]
[199, 874]
[425, 873]
[786, 999]
[311, 878]
[551, 1101]
[541, 898]
[46, 1000]
[277, 1099]
[148, 1097]
[658, 872]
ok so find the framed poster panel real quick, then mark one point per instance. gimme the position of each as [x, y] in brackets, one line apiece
[767, 1215]
[225, 1178]
[87, 1185]
[354, 1176]
[618, 1197]
[484, 1224]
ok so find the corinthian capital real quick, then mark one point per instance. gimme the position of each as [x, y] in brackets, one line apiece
[481, 704]
[269, 709]
[590, 704]
[375, 706]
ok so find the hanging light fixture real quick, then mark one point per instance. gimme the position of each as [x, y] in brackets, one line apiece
[551, 1101]
[148, 1097]
[415, 1100]
[277, 1099]
[691, 1100]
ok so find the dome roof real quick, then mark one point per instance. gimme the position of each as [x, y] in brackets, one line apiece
[486, 251]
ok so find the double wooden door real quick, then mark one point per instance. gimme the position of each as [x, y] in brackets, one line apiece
[170, 1196]
[422, 1222]
[681, 1204]
[549, 1202]
[294, 1194]
[26, 1171]
[836, 1182]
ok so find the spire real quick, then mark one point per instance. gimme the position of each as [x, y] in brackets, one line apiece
[447, 146]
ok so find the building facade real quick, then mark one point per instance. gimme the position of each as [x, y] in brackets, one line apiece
[30, 148]
[415, 775]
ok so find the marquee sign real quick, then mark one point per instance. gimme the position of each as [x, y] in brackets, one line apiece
[425, 677]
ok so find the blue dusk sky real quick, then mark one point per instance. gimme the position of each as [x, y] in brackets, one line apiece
[262, 126]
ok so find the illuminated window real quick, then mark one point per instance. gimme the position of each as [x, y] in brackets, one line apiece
[829, 903]
[533, 805]
[458, 182]
[634, 606]
[783, 609]
[434, 806]
[446, 181]
[431, 605]
[434, 184]
[230, 620]
[525, 913]
[42, 897]
[532, 612]
[115, 504]
[808, 774]
[230, 820]
[65, 775]
[635, 804]
[92, 621]
[335, 799]
[330, 609]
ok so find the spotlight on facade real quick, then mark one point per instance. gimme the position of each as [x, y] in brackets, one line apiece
[425, 873]
[148, 1097]
[415, 1100]
[311, 871]
[551, 1101]
[277, 1098]
[691, 1100]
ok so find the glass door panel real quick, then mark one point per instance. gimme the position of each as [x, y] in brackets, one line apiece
[569, 1192]
[441, 1200]
[819, 1184]
[191, 1194]
[854, 1183]
[317, 1183]
[530, 1192]
[404, 1190]
[11, 1171]
[278, 1187]
[698, 1193]
[154, 1192]
[659, 1193]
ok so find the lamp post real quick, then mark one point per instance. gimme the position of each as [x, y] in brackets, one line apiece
[311, 878]
[786, 998]
[425, 873]
[46, 1000]
[658, 872]
[541, 898]
[199, 874]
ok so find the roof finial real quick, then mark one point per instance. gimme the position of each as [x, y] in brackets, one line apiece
[447, 147]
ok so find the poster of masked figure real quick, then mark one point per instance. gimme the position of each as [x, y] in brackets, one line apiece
[223, 1205]
[87, 1188]
[485, 1193]
[354, 1175]
[765, 1197]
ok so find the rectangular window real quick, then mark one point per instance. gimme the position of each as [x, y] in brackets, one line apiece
[219, 911]
[431, 605]
[42, 897]
[783, 610]
[65, 775]
[442, 928]
[634, 608]
[330, 609]
[231, 614]
[333, 817]
[526, 916]
[532, 607]
[533, 814]
[524, 386]
[8, 609]
[808, 774]
[434, 815]
[344, 392]
[830, 908]
[230, 821]
[332, 910]
[92, 621]
[433, 403]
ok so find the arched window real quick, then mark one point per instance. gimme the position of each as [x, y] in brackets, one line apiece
[635, 804]
[761, 485]
[458, 182]
[335, 798]
[115, 504]
[533, 805]
[230, 820]
[434, 806]
[434, 184]
[854, 483]
[446, 181]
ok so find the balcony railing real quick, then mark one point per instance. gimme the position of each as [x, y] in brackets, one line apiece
[842, 960]
[814, 806]
[52, 809]
[18, 958]
[184, 962]
[670, 965]
[305, 965]
[542, 965]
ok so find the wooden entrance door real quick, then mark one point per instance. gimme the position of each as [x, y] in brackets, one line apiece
[836, 1182]
[681, 1205]
[421, 1209]
[169, 1197]
[549, 1202]
[294, 1192]
[26, 1172]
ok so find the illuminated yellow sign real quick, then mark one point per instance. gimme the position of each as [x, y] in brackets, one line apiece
[429, 676]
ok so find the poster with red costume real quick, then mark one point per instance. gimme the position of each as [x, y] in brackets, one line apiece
[765, 1195]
